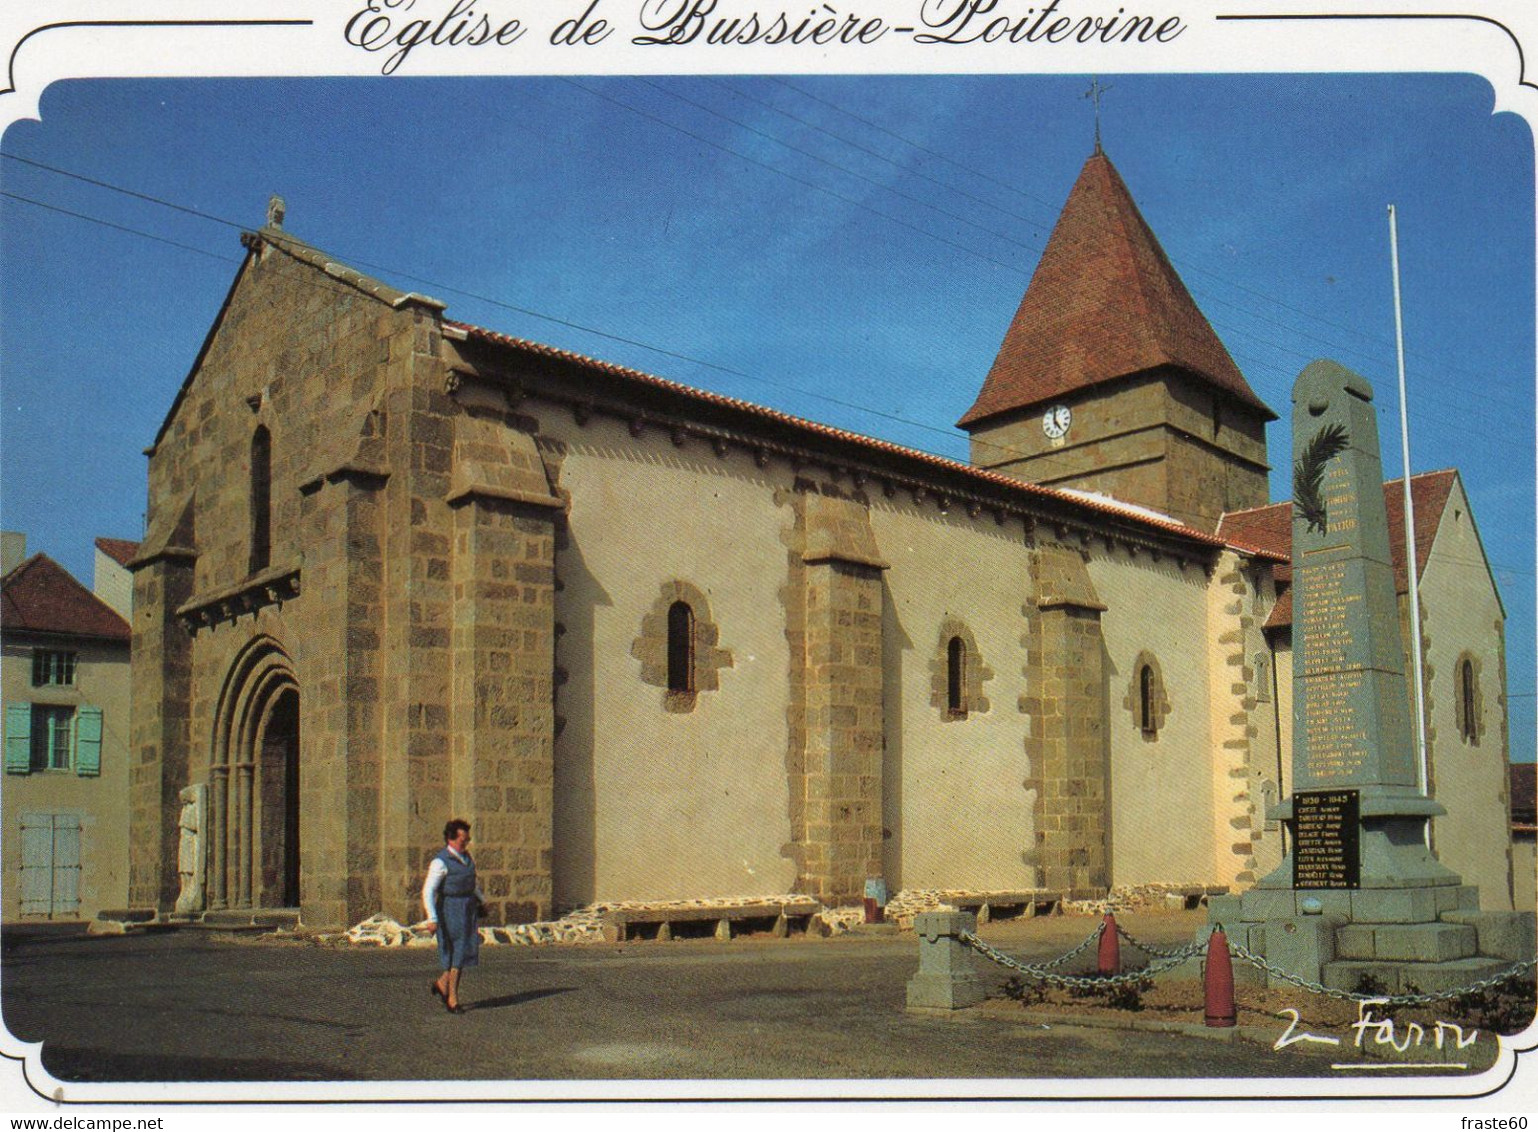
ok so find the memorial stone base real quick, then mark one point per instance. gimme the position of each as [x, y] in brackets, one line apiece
[1395, 940]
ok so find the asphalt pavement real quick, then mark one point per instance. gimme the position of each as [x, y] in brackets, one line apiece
[199, 1006]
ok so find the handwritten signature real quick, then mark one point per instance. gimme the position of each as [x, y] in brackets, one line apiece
[1371, 1031]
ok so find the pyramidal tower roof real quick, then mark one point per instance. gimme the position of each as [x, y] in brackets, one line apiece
[1104, 303]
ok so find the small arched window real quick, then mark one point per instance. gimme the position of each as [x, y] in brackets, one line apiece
[1468, 701]
[1147, 701]
[680, 647]
[261, 499]
[1147, 714]
[956, 676]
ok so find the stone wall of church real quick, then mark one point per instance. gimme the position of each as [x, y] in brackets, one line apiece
[1157, 615]
[288, 343]
[1462, 622]
[1159, 439]
[1243, 723]
[1216, 458]
[660, 799]
[962, 793]
[1115, 445]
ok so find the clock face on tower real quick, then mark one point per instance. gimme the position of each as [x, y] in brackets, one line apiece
[1056, 421]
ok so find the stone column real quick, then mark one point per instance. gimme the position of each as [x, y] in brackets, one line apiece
[241, 828]
[162, 702]
[502, 704]
[838, 793]
[218, 816]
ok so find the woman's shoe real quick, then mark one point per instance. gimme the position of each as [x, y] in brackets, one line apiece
[434, 988]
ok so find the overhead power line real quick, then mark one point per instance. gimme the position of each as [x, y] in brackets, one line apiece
[1231, 329]
[333, 287]
[1186, 266]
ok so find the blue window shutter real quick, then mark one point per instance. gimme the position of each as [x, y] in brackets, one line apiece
[18, 738]
[88, 741]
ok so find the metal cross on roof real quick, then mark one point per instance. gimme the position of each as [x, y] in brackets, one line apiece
[1096, 89]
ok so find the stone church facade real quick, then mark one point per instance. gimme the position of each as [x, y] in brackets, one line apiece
[657, 643]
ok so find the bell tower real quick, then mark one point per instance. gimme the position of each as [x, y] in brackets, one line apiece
[1109, 378]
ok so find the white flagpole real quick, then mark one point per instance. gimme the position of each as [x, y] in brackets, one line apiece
[1422, 774]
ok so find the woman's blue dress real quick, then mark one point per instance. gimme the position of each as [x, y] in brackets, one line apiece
[459, 937]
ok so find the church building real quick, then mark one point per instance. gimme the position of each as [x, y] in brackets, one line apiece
[657, 643]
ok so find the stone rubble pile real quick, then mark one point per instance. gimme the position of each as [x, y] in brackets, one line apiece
[381, 931]
[585, 925]
[1158, 895]
[902, 907]
[580, 925]
[838, 920]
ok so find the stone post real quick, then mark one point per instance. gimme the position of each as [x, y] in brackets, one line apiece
[1359, 893]
[947, 978]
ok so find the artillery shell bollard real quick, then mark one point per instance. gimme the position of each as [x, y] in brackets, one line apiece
[1219, 982]
[1109, 960]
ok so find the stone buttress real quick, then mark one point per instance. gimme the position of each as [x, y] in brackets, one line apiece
[837, 741]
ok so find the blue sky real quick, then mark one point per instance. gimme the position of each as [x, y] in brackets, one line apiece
[845, 248]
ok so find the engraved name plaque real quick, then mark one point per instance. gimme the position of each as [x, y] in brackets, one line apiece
[1326, 849]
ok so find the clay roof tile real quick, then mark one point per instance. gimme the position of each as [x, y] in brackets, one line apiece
[1270, 528]
[1104, 506]
[120, 550]
[1103, 303]
[40, 596]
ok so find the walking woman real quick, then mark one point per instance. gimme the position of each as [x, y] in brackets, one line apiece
[453, 906]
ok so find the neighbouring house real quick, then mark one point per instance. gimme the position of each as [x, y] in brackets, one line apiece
[656, 643]
[112, 580]
[64, 680]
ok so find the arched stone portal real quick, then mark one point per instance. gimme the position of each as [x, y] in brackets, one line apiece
[253, 842]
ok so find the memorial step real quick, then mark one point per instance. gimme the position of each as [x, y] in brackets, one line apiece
[1392, 977]
[1420, 943]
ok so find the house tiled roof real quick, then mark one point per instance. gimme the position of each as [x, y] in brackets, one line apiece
[1103, 303]
[40, 596]
[120, 550]
[1075, 500]
[1270, 528]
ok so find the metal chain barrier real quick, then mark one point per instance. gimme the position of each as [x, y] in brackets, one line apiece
[1093, 937]
[1156, 952]
[1044, 973]
[1276, 972]
[1167, 959]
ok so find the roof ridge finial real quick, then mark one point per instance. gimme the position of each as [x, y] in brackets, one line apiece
[276, 210]
[1094, 92]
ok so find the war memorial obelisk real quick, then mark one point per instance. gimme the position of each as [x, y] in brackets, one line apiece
[1359, 891]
